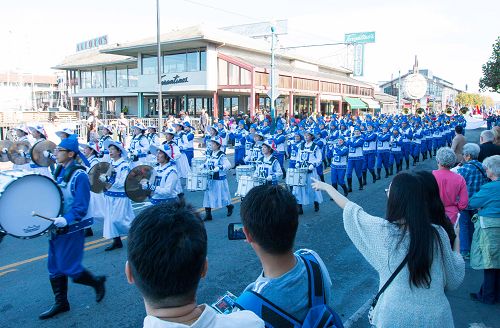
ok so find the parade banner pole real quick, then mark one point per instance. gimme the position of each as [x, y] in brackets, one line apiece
[160, 99]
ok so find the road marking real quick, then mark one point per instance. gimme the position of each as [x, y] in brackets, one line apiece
[8, 271]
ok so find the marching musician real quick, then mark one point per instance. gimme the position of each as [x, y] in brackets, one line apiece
[222, 132]
[65, 133]
[280, 142]
[106, 133]
[38, 132]
[239, 136]
[321, 143]
[189, 144]
[119, 212]
[250, 141]
[417, 142]
[294, 149]
[180, 139]
[369, 152]
[67, 241]
[396, 151]
[166, 183]
[383, 151]
[355, 160]
[428, 132]
[338, 155]
[22, 135]
[256, 151]
[212, 132]
[407, 136]
[139, 145]
[181, 162]
[309, 157]
[152, 136]
[268, 167]
[217, 194]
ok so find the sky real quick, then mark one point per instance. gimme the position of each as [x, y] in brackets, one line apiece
[453, 39]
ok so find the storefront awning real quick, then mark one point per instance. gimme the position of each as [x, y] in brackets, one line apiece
[371, 103]
[355, 103]
[330, 97]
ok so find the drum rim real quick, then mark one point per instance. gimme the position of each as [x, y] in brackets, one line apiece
[61, 205]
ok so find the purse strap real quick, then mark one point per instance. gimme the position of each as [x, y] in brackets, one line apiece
[388, 282]
[477, 167]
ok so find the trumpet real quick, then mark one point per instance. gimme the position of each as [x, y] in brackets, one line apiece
[405, 111]
[448, 111]
[464, 110]
[420, 112]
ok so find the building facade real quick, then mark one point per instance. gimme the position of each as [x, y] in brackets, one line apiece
[211, 69]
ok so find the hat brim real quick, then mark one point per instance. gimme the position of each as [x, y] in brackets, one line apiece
[108, 143]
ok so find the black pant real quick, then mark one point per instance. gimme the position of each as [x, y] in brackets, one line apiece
[490, 289]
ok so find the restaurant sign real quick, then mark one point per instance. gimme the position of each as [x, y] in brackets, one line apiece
[175, 80]
[361, 37]
[94, 43]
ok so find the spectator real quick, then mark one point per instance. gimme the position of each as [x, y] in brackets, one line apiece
[485, 250]
[458, 143]
[435, 205]
[475, 176]
[203, 121]
[487, 147]
[452, 187]
[496, 132]
[167, 250]
[271, 230]
[417, 294]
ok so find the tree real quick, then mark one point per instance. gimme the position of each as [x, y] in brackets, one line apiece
[491, 71]
[488, 101]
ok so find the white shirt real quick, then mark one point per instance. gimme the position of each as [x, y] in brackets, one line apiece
[211, 319]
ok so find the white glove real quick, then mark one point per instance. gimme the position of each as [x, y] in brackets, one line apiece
[22, 153]
[103, 178]
[5, 150]
[297, 165]
[216, 169]
[269, 178]
[311, 167]
[145, 185]
[135, 152]
[60, 222]
[46, 154]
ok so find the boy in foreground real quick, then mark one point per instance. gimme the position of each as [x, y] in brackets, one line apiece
[167, 250]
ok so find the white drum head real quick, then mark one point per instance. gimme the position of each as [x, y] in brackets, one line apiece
[20, 197]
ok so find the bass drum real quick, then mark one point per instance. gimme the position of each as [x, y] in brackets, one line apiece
[21, 194]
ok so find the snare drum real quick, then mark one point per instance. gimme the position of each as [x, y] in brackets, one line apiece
[21, 194]
[244, 170]
[245, 184]
[197, 164]
[197, 181]
[296, 177]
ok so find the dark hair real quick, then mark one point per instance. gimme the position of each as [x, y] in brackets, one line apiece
[269, 213]
[116, 147]
[405, 207]
[459, 129]
[434, 205]
[167, 249]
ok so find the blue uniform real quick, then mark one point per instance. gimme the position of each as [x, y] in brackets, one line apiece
[338, 155]
[383, 150]
[355, 160]
[239, 137]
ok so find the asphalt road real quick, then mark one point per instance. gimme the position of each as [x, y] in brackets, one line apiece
[25, 290]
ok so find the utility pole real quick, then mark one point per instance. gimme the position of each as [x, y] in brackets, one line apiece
[273, 82]
[399, 91]
[160, 99]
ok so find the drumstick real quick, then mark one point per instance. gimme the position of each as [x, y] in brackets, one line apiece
[41, 216]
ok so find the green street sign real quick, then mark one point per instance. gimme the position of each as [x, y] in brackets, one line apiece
[361, 37]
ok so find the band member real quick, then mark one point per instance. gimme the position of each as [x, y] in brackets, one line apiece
[321, 143]
[280, 141]
[355, 160]
[222, 132]
[256, 151]
[250, 141]
[407, 136]
[217, 194]
[67, 241]
[294, 149]
[106, 133]
[38, 132]
[119, 213]
[65, 133]
[165, 186]
[309, 157]
[152, 136]
[396, 151]
[181, 161]
[268, 167]
[239, 136]
[369, 152]
[338, 155]
[139, 145]
[189, 144]
[383, 151]
[212, 132]
[22, 135]
[417, 142]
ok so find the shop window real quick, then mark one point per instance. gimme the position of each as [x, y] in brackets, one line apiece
[97, 79]
[85, 79]
[174, 63]
[132, 76]
[110, 78]
[121, 74]
[193, 61]
[222, 67]
[149, 65]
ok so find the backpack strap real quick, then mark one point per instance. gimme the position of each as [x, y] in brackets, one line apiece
[317, 295]
[273, 316]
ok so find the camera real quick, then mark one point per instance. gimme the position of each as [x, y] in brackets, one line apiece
[235, 231]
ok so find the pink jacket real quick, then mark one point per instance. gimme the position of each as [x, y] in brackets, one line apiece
[453, 192]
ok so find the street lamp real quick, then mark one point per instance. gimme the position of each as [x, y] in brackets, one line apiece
[273, 82]
[158, 44]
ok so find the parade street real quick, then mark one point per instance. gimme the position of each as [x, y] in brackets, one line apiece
[25, 291]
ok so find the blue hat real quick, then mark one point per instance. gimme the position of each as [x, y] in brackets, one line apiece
[140, 126]
[279, 126]
[71, 144]
[341, 137]
[221, 122]
[357, 128]
[253, 126]
[241, 122]
[187, 124]
[217, 140]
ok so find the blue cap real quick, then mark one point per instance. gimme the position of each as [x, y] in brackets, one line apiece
[253, 126]
[71, 144]
[279, 126]
[241, 122]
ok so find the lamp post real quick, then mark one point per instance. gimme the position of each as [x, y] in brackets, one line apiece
[273, 82]
[160, 99]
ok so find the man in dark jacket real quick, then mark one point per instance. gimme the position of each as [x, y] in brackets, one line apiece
[488, 148]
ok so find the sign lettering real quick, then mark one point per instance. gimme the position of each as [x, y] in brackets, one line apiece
[362, 37]
[94, 43]
[175, 80]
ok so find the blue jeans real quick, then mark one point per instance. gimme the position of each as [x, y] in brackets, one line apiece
[466, 230]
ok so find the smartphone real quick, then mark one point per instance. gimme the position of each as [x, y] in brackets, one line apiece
[225, 304]
[235, 231]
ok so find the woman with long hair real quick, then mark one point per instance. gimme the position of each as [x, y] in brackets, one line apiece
[408, 238]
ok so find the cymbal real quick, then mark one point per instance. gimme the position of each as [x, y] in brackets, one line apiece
[19, 152]
[5, 144]
[133, 187]
[37, 153]
[97, 185]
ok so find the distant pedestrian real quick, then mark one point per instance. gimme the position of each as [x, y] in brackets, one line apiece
[488, 148]
[458, 143]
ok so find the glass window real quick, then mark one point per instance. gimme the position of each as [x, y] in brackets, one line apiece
[110, 78]
[234, 74]
[193, 61]
[190, 105]
[132, 76]
[85, 79]
[149, 64]
[234, 106]
[203, 60]
[222, 72]
[246, 76]
[97, 79]
[122, 77]
[174, 63]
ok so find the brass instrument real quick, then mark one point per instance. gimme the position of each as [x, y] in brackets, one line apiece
[420, 112]
[405, 111]
[448, 111]
[464, 110]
